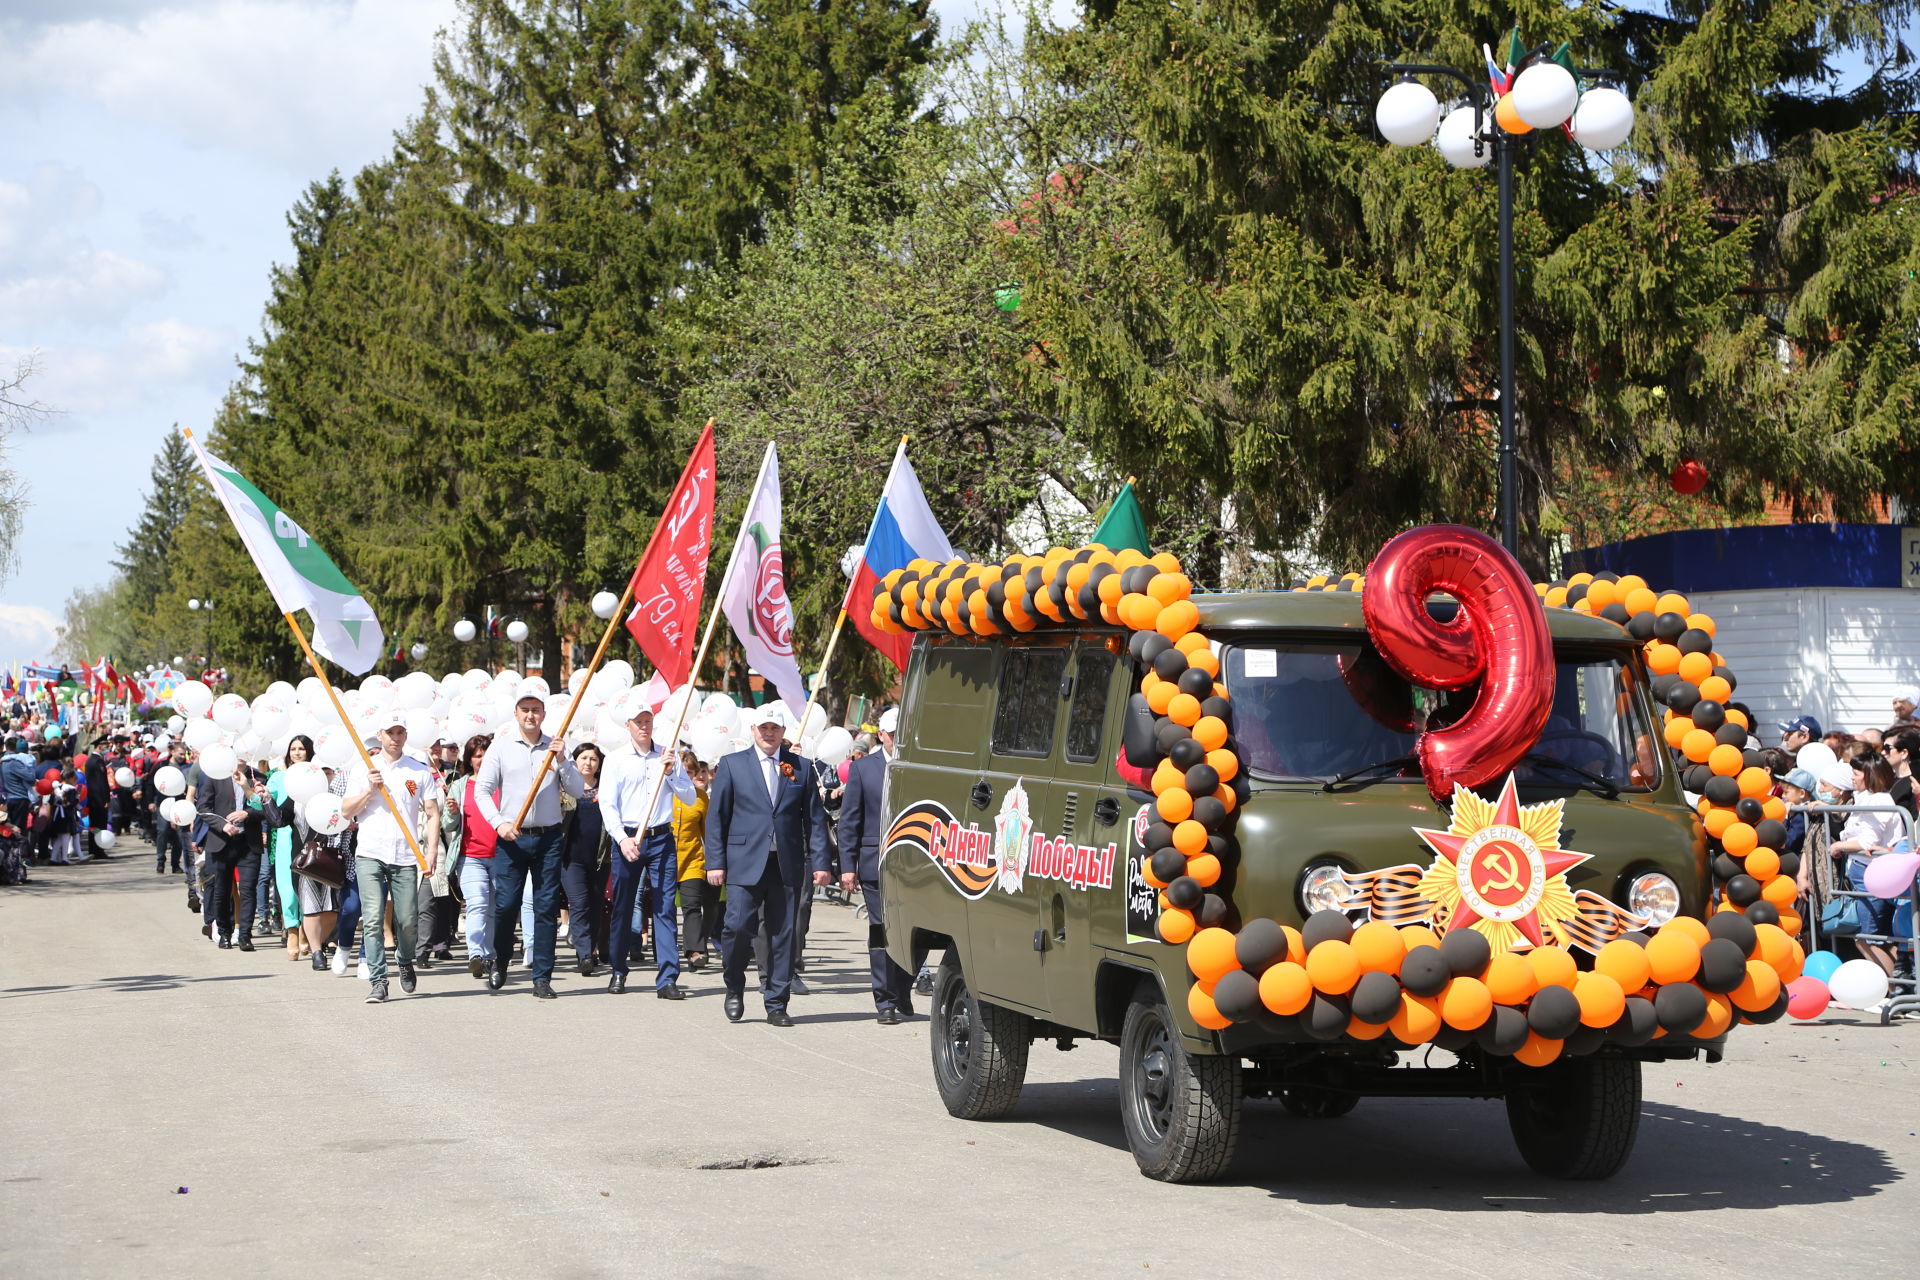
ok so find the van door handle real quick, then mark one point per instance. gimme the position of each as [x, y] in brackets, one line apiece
[1107, 812]
[981, 795]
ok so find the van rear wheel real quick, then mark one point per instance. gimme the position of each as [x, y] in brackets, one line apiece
[1576, 1119]
[1181, 1110]
[979, 1049]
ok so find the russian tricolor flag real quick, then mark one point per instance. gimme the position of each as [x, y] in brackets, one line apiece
[903, 530]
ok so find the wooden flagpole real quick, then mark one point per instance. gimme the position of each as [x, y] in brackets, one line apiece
[321, 674]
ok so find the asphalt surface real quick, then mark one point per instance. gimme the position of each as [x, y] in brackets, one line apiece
[170, 1109]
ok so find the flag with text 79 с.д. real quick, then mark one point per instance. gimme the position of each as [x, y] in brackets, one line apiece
[672, 573]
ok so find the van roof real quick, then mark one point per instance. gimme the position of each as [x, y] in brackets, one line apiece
[1340, 610]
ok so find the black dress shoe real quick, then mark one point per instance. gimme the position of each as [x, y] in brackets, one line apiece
[193, 904]
[778, 1018]
[888, 1018]
[617, 984]
[224, 944]
[736, 1006]
[904, 1012]
[670, 992]
[586, 966]
[426, 960]
[497, 976]
[543, 990]
[246, 942]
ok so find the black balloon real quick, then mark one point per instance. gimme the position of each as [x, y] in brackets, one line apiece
[1723, 965]
[1134, 581]
[1466, 952]
[1325, 926]
[1171, 664]
[1664, 685]
[1726, 673]
[1724, 792]
[1773, 1012]
[1724, 867]
[1730, 735]
[1424, 972]
[1576, 593]
[1259, 945]
[1683, 697]
[1196, 682]
[1169, 865]
[1743, 891]
[1137, 645]
[1237, 995]
[1452, 1039]
[1156, 645]
[1202, 780]
[1213, 911]
[1553, 1013]
[1325, 1017]
[1772, 833]
[1695, 778]
[1694, 640]
[1583, 1041]
[1504, 1032]
[1636, 1023]
[1640, 627]
[1754, 760]
[1376, 998]
[1219, 707]
[1669, 627]
[1209, 812]
[1763, 912]
[1281, 1026]
[1679, 1006]
[1708, 714]
[1187, 752]
[1160, 836]
[1169, 735]
[1185, 892]
[1789, 864]
[1616, 612]
[1637, 938]
[1736, 928]
[1749, 811]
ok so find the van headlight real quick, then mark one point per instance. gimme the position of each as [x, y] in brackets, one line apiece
[1654, 896]
[1323, 888]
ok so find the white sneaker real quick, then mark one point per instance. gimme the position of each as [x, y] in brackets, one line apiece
[365, 974]
[1875, 1009]
[339, 964]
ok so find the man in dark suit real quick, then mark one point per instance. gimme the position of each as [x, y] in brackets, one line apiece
[234, 817]
[766, 826]
[862, 823]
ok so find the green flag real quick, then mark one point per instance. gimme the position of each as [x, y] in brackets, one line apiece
[1123, 526]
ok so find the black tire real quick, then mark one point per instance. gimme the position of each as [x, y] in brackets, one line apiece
[1576, 1119]
[979, 1049]
[1312, 1102]
[1181, 1110]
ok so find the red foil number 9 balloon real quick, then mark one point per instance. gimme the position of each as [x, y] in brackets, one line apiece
[1498, 637]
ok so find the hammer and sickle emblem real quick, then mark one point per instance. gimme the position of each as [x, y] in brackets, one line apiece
[1509, 870]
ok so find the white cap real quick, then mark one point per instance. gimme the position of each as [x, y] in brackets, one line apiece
[890, 720]
[1909, 694]
[1838, 775]
[774, 712]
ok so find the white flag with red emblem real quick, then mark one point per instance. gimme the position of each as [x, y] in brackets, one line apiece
[754, 595]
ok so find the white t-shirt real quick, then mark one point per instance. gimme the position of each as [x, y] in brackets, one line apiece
[1872, 828]
[412, 785]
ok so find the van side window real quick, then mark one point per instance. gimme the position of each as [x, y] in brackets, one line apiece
[1089, 715]
[953, 683]
[1029, 698]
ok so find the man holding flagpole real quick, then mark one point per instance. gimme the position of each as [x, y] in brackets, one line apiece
[513, 769]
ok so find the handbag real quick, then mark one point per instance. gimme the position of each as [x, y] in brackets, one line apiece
[317, 860]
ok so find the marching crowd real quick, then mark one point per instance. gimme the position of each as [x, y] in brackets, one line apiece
[483, 851]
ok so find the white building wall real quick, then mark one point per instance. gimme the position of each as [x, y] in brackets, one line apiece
[1838, 654]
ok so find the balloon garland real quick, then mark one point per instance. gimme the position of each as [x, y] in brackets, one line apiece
[1330, 979]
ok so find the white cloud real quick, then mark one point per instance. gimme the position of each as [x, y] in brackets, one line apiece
[302, 83]
[27, 631]
[50, 277]
[147, 363]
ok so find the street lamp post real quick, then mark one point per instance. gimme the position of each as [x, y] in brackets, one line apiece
[206, 607]
[1540, 93]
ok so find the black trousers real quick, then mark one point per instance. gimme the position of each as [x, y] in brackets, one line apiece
[583, 879]
[775, 904]
[892, 985]
[433, 921]
[699, 915]
[221, 901]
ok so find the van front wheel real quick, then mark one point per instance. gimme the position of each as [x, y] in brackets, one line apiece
[1577, 1118]
[979, 1049]
[1181, 1110]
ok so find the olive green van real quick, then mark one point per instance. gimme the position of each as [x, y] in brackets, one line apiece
[1014, 846]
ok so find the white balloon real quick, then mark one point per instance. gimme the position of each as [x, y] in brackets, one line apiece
[124, 778]
[716, 703]
[604, 603]
[1603, 119]
[219, 761]
[250, 746]
[162, 742]
[312, 694]
[193, 699]
[1545, 94]
[709, 740]
[1858, 983]
[179, 812]
[619, 672]
[452, 682]
[281, 692]
[176, 723]
[833, 746]
[169, 780]
[475, 678]
[304, 781]
[105, 839]
[272, 722]
[1407, 113]
[576, 680]
[1455, 141]
[201, 734]
[609, 733]
[335, 747]
[375, 684]
[231, 712]
[506, 678]
[415, 691]
[324, 815]
[1814, 757]
[815, 725]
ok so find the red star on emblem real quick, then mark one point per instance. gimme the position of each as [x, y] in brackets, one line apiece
[1502, 871]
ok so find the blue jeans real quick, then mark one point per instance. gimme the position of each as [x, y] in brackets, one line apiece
[534, 855]
[380, 881]
[656, 870]
[476, 886]
[1874, 914]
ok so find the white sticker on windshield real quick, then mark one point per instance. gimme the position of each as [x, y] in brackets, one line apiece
[1262, 662]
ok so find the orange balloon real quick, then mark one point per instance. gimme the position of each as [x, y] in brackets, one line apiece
[1694, 667]
[1663, 659]
[1210, 732]
[1192, 644]
[1688, 927]
[1167, 775]
[1760, 989]
[1511, 979]
[1719, 1017]
[1602, 1000]
[1763, 864]
[1296, 945]
[1201, 658]
[1379, 948]
[1508, 116]
[1553, 967]
[1780, 891]
[1162, 694]
[1285, 987]
[1176, 925]
[1600, 594]
[1174, 804]
[1734, 714]
[1739, 840]
[1538, 1051]
[1755, 783]
[1774, 807]
[1418, 935]
[1166, 562]
[1556, 598]
[1677, 729]
[1140, 611]
[1333, 967]
[1224, 763]
[1696, 746]
[1774, 948]
[1716, 689]
[1580, 579]
[1673, 602]
[1205, 869]
[1629, 583]
[1702, 622]
[1169, 588]
[1717, 821]
[1791, 922]
[1723, 758]
[1205, 1011]
[1365, 1030]
[1146, 873]
[1190, 838]
[1210, 955]
[1672, 957]
[1417, 1020]
[1639, 599]
[1224, 794]
[1625, 962]
[1466, 1003]
[1183, 709]
[1176, 620]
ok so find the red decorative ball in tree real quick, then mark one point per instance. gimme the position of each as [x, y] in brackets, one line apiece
[1689, 477]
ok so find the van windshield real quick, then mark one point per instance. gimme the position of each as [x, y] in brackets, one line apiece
[1313, 711]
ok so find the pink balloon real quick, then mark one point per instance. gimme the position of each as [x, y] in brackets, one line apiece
[1807, 997]
[1891, 874]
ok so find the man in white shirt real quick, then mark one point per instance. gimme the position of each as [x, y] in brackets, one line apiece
[532, 850]
[643, 853]
[384, 867]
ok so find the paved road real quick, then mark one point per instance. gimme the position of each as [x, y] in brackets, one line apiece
[462, 1134]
